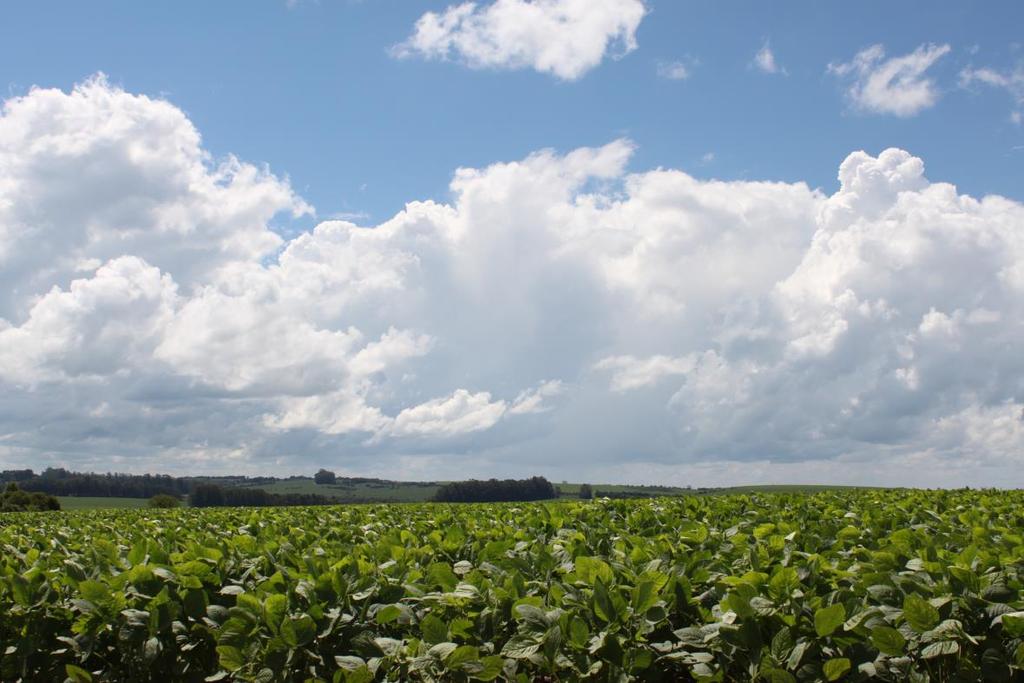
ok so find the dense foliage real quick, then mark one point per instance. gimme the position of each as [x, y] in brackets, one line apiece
[164, 501]
[323, 476]
[58, 481]
[859, 585]
[496, 490]
[211, 495]
[13, 499]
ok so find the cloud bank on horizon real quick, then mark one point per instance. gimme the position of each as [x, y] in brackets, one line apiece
[558, 314]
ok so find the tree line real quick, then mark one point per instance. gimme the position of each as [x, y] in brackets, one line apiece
[495, 490]
[212, 495]
[58, 481]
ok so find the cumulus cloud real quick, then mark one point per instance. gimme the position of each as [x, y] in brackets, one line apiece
[560, 315]
[897, 85]
[98, 173]
[565, 38]
[764, 60]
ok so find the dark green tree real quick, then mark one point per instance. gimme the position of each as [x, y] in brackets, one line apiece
[325, 477]
[162, 500]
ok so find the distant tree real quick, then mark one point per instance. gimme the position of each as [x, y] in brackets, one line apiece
[586, 492]
[211, 495]
[13, 499]
[162, 500]
[325, 477]
[493, 490]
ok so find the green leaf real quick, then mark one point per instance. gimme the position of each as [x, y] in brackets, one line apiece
[520, 647]
[275, 609]
[1013, 624]
[491, 668]
[298, 631]
[644, 596]
[22, 590]
[604, 608]
[836, 668]
[778, 676]
[441, 574]
[462, 655]
[919, 613]
[940, 649]
[387, 614]
[95, 592]
[77, 674]
[828, 619]
[230, 657]
[590, 569]
[888, 640]
[999, 592]
[360, 675]
[534, 618]
[579, 634]
[433, 629]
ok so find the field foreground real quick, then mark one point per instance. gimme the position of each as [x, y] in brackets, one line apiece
[851, 585]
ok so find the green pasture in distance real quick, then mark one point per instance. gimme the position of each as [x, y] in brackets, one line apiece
[99, 503]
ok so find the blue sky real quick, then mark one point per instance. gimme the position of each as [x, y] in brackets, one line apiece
[598, 240]
[312, 90]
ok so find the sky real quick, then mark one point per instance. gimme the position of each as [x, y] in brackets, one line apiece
[643, 241]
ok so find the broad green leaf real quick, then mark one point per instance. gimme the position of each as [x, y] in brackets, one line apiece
[462, 655]
[836, 668]
[298, 631]
[490, 670]
[1013, 624]
[388, 614]
[828, 619]
[919, 613]
[433, 629]
[590, 569]
[888, 640]
[603, 605]
[77, 674]
[230, 657]
[778, 676]
[940, 648]
[275, 609]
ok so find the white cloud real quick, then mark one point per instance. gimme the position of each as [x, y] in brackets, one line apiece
[97, 173]
[565, 38]
[461, 413]
[765, 60]
[629, 372]
[673, 71]
[897, 85]
[531, 401]
[559, 315]
[1012, 81]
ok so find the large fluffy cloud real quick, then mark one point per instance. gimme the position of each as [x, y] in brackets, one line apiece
[559, 315]
[565, 38]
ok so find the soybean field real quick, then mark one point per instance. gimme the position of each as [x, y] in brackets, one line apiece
[852, 585]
